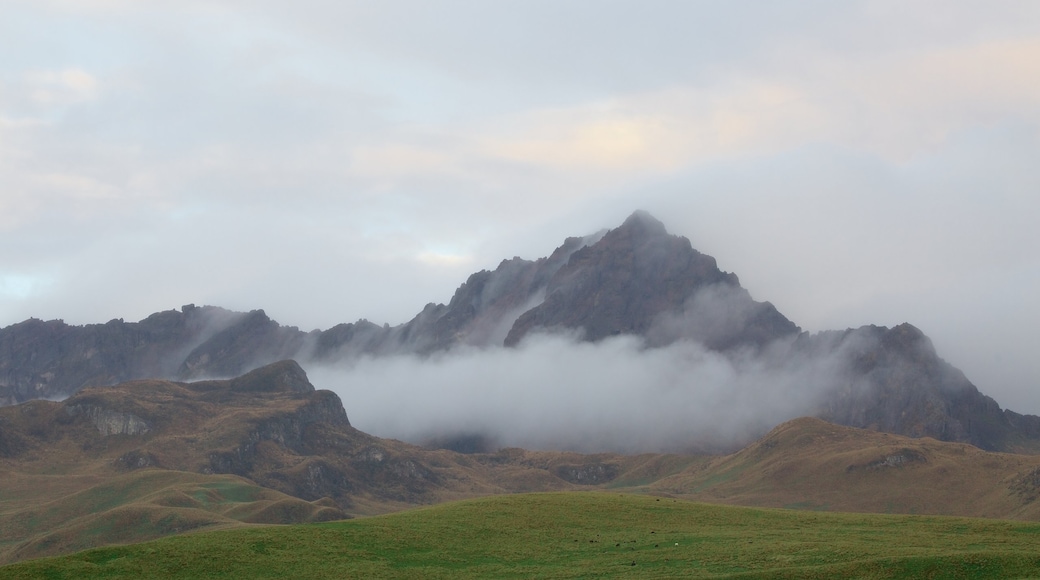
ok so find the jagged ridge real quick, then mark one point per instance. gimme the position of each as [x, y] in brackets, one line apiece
[635, 279]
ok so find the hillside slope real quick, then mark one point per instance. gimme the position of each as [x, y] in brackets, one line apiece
[811, 464]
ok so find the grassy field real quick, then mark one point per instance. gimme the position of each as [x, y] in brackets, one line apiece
[578, 535]
[87, 510]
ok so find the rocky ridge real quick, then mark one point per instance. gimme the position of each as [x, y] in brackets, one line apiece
[635, 279]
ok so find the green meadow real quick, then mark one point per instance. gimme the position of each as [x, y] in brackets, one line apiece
[578, 535]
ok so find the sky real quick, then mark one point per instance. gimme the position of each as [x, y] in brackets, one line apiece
[860, 162]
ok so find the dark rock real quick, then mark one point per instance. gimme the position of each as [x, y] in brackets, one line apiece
[634, 277]
[587, 474]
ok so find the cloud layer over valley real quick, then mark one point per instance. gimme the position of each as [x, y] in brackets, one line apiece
[552, 392]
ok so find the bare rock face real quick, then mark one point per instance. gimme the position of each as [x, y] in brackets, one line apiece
[587, 474]
[638, 275]
[110, 422]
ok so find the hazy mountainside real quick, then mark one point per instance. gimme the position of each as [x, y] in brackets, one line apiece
[898, 384]
[633, 280]
[621, 282]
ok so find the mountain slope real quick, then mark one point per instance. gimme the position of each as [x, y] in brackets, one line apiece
[811, 464]
[635, 279]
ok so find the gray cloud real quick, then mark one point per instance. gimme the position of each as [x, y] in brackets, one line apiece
[552, 392]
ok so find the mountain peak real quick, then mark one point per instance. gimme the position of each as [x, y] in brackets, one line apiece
[641, 222]
[281, 376]
[640, 280]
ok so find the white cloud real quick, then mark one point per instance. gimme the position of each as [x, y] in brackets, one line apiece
[554, 393]
[61, 87]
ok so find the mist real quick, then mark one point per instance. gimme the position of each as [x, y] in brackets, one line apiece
[553, 392]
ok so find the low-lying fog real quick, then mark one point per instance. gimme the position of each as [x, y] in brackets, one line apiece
[553, 392]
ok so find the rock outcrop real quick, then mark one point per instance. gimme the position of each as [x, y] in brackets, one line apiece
[110, 422]
[272, 427]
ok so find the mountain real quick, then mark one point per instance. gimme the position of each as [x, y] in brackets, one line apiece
[635, 279]
[635, 274]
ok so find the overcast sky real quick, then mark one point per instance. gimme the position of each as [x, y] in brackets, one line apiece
[852, 162]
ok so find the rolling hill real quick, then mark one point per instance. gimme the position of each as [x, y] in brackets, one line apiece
[578, 535]
[145, 459]
[811, 464]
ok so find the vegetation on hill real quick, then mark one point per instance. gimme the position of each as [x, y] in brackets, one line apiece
[808, 463]
[153, 458]
[577, 535]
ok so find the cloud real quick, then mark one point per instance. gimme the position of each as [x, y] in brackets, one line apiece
[848, 159]
[552, 392]
[62, 87]
[896, 107]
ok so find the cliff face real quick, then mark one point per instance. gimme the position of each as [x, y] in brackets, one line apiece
[109, 422]
[634, 280]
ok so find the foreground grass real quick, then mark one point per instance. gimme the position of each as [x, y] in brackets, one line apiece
[578, 535]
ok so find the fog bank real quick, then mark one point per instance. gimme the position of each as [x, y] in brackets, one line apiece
[553, 392]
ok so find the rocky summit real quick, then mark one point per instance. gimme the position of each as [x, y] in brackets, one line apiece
[635, 279]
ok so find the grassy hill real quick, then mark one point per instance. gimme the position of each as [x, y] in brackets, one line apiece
[578, 534]
[811, 464]
[149, 459]
[55, 514]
